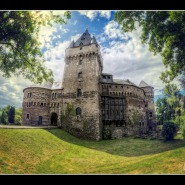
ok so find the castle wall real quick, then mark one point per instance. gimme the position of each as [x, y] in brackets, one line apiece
[40, 102]
[36, 103]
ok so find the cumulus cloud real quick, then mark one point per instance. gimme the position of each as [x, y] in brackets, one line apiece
[11, 91]
[93, 14]
[127, 58]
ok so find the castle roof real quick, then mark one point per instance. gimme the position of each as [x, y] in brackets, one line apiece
[143, 84]
[84, 40]
[120, 81]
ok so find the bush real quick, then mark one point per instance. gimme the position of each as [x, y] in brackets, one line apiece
[106, 133]
[169, 131]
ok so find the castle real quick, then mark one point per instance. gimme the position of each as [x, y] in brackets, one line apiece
[100, 102]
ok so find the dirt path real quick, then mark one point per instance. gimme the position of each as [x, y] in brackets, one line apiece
[25, 127]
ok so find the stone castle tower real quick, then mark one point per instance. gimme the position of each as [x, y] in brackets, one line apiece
[83, 68]
[100, 102]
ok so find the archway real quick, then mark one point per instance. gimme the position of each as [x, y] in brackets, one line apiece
[54, 118]
[39, 120]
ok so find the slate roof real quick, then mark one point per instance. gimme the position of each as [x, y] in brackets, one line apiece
[84, 40]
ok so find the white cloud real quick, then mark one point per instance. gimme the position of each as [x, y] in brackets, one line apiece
[113, 31]
[93, 14]
[11, 91]
[126, 58]
[55, 59]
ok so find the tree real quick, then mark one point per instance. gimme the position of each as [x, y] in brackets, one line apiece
[169, 131]
[19, 46]
[18, 116]
[11, 115]
[3, 118]
[164, 32]
[167, 105]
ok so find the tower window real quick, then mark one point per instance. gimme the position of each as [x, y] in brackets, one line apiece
[80, 75]
[80, 62]
[79, 93]
[78, 111]
[28, 116]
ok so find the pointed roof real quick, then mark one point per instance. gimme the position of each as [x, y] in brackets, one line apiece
[84, 40]
[71, 44]
[143, 84]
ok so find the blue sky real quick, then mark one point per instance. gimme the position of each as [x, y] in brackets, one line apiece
[123, 54]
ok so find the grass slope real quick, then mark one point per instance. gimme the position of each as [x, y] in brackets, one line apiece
[56, 152]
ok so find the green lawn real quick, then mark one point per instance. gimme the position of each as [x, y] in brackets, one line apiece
[53, 151]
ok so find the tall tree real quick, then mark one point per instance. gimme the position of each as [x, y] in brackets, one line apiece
[19, 47]
[164, 32]
[11, 115]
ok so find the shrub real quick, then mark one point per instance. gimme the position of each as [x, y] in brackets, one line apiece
[169, 131]
[106, 133]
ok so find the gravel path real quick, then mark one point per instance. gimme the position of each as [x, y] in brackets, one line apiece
[25, 127]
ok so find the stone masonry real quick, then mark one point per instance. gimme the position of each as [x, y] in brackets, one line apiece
[99, 101]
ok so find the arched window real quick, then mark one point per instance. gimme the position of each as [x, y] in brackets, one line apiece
[80, 75]
[79, 93]
[78, 111]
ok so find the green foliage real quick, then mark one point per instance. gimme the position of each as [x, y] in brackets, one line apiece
[164, 32]
[69, 111]
[106, 133]
[4, 114]
[18, 116]
[11, 115]
[169, 131]
[19, 47]
[167, 105]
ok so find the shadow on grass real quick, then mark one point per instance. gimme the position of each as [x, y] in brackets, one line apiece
[128, 146]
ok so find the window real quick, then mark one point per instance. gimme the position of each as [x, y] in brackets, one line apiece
[151, 114]
[80, 48]
[81, 44]
[109, 86]
[28, 116]
[80, 75]
[104, 77]
[78, 111]
[108, 77]
[79, 93]
[41, 104]
[116, 86]
[80, 62]
[145, 105]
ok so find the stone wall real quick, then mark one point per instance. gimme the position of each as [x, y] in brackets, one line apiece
[39, 104]
[82, 71]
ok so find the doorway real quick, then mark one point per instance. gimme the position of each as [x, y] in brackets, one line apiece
[40, 121]
[54, 118]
